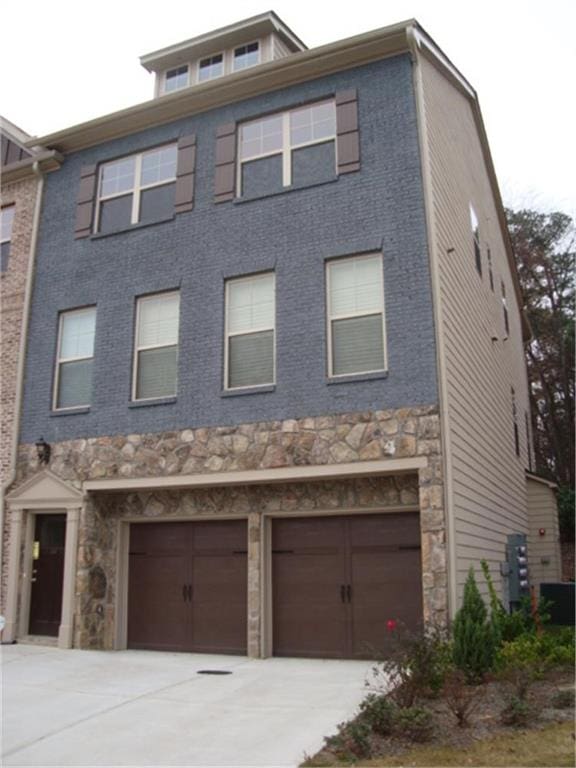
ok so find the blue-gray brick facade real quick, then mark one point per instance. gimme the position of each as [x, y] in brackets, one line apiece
[380, 208]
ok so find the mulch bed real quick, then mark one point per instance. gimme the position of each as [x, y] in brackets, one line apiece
[484, 721]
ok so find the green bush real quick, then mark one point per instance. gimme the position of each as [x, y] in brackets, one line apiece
[521, 662]
[415, 664]
[474, 645]
[414, 723]
[516, 712]
[378, 712]
[352, 741]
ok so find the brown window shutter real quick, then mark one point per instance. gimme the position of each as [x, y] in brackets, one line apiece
[348, 140]
[184, 199]
[225, 176]
[85, 201]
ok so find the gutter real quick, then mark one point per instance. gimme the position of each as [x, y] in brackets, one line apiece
[46, 160]
[38, 172]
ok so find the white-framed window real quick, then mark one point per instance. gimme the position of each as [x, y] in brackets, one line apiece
[475, 227]
[211, 67]
[250, 331]
[6, 224]
[285, 132]
[156, 346]
[356, 323]
[74, 359]
[246, 56]
[137, 189]
[177, 78]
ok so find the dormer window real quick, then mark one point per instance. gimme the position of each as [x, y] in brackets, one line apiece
[246, 56]
[176, 78]
[211, 67]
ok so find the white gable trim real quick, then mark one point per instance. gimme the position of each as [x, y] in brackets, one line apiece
[44, 491]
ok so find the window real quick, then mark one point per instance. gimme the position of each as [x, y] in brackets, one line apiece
[490, 273]
[250, 313]
[156, 346]
[6, 222]
[177, 78]
[505, 309]
[515, 422]
[476, 238]
[139, 188]
[211, 67]
[528, 440]
[246, 56]
[355, 302]
[284, 149]
[73, 385]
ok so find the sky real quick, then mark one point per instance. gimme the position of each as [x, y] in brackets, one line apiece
[64, 62]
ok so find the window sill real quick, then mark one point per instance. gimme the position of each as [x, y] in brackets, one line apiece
[71, 411]
[132, 227]
[284, 190]
[151, 402]
[249, 390]
[352, 378]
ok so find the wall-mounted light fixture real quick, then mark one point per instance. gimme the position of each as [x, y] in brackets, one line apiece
[43, 450]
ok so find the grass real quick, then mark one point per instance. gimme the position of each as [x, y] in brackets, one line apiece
[550, 747]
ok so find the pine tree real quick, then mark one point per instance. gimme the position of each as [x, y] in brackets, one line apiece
[473, 650]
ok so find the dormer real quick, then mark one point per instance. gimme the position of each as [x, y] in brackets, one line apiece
[224, 51]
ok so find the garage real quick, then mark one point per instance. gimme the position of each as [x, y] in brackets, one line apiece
[337, 581]
[187, 586]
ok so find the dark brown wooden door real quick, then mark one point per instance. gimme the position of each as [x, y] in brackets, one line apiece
[338, 580]
[47, 575]
[188, 587]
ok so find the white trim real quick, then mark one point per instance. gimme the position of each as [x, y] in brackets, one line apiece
[137, 186]
[60, 361]
[287, 147]
[164, 78]
[228, 334]
[349, 315]
[137, 349]
[210, 56]
[260, 476]
[257, 42]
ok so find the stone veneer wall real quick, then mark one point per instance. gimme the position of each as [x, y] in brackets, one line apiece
[21, 194]
[321, 440]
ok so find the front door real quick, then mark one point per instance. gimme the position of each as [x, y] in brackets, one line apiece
[47, 575]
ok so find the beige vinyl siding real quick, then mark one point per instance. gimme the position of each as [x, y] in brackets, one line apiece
[543, 551]
[279, 48]
[486, 497]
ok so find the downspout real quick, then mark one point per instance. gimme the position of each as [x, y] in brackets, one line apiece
[413, 45]
[21, 357]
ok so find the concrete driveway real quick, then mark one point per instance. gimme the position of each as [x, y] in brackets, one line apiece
[93, 708]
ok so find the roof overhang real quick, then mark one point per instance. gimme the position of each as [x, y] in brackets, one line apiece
[219, 39]
[258, 476]
[540, 479]
[45, 161]
[296, 68]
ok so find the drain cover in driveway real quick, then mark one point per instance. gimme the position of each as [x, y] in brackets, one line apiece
[213, 672]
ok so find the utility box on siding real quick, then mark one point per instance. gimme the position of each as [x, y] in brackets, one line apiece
[517, 560]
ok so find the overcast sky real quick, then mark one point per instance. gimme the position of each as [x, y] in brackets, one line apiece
[64, 62]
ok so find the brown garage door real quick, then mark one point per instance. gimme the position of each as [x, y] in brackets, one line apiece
[338, 580]
[187, 587]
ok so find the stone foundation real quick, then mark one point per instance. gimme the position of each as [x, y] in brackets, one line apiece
[333, 439]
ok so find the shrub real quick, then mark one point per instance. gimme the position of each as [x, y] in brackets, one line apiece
[352, 741]
[563, 699]
[521, 662]
[473, 635]
[414, 723]
[516, 712]
[415, 664]
[378, 712]
[461, 699]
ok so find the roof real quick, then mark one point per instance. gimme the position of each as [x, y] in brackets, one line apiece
[20, 153]
[540, 479]
[210, 42]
